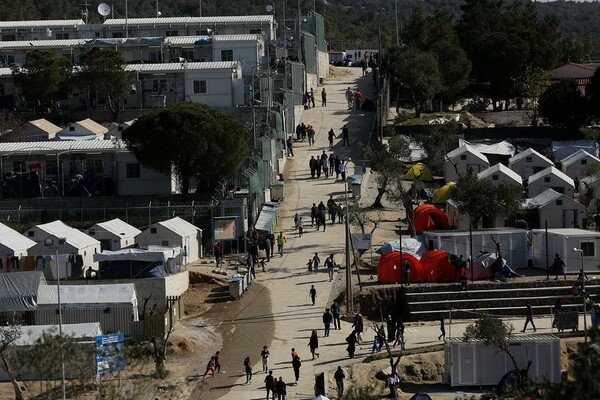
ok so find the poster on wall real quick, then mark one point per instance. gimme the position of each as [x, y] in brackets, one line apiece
[225, 228]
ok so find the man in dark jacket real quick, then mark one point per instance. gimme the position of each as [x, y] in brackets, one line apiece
[335, 310]
[280, 389]
[327, 318]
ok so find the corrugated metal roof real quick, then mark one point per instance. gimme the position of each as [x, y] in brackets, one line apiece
[514, 338]
[551, 171]
[192, 20]
[174, 40]
[528, 153]
[180, 226]
[13, 239]
[238, 38]
[51, 147]
[41, 23]
[92, 126]
[578, 155]
[119, 228]
[5, 72]
[466, 149]
[42, 43]
[572, 232]
[46, 126]
[173, 67]
[501, 168]
[73, 236]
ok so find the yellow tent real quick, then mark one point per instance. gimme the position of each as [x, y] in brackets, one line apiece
[443, 193]
[418, 172]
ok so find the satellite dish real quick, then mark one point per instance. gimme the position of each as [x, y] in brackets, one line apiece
[103, 9]
[269, 8]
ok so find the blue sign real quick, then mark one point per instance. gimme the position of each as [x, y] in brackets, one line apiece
[110, 353]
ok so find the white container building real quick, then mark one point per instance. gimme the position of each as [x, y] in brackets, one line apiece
[563, 242]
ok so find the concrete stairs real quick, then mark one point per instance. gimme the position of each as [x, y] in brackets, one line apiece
[431, 302]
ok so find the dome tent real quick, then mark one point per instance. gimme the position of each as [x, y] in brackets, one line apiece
[418, 172]
[429, 218]
[389, 269]
[443, 194]
[437, 267]
[482, 266]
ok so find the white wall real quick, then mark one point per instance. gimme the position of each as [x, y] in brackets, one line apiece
[564, 245]
[568, 215]
[115, 242]
[219, 87]
[323, 64]
[526, 169]
[87, 253]
[165, 237]
[463, 166]
[577, 169]
[247, 52]
[150, 182]
[555, 183]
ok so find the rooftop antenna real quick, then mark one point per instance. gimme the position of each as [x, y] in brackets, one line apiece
[104, 10]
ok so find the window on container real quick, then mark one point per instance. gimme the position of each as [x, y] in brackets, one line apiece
[92, 232]
[529, 159]
[133, 171]
[495, 177]
[588, 249]
[62, 36]
[30, 233]
[255, 31]
[226, 55]
[547, 179]
[71, 129]
[118, 34]
[187, 55]
[94, 166]
[9, 38]
[583, 162]
[153, 230]
[165, 243]
[463, 157]
[559, 202]
[172, 33]
[199, 87]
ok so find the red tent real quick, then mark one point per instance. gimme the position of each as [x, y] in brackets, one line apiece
[389, 269]
[437, 267]
[427, 217]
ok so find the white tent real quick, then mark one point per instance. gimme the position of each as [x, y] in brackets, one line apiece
[81, 296]
[153, 253]
[13, 243]
[174, 232]
[19, 290]
[115, 234]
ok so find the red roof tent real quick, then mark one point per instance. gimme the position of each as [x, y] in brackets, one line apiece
[389, 269]
[429, 218]
[437, 267]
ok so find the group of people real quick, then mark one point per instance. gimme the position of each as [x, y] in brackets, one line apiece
[308, 99]
[327, 166]
[319, 213]
[353, 97]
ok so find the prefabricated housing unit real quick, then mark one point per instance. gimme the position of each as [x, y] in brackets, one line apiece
[115, 234]
[563, 242]
[174, 232]
[12, 243]
[47, 238]
[513, 243]
[529, 162]
[475, 364]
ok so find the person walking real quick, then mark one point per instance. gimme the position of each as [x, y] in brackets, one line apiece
[325, 164]
[327, 318]
[264, 356]
[312, 97]
[316, 261]
[330, 265]
[280, 242]
[313, 214]
[559, 267]
[343, 169]
[210, 367]
[331, 163]
[406, 272]
[345, 136]
[557, 309]
[335, 311]
[280, 389]
[248, 370]
[357, 98]
[337, 162]
[300, 226]
[351, 340]
[399, 335]
[528, 318]
[339, 381]
[323, 98]
[358, 326]
[313, 344]
[270, 384]
[296, 364]
[322, 220]
[442, 329]
[218, 362]
[312, 166]
[290, 146]
[349, 97]
[218, 249]
[331, 136]
[312, 293]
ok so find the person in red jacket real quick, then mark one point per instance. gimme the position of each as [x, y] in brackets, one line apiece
[357, 98]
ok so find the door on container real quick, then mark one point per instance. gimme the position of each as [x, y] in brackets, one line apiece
[545, 365]
[569, 219]
[466, 359]
[105, 244]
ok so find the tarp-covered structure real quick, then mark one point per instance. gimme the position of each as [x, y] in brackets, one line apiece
[563, 149]
[429, 218]
[19, 290]
[414, 246]
[30, 334]
[153, 262]
[418, 172]
[389, 269]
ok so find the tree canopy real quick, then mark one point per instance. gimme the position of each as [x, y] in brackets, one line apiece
[190, 139]
[562, 105]
[102, 73]
[480, 198]
[45, 76]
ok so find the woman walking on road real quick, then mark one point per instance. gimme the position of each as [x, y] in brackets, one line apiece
[313, 343]
[248, 370]
[296, 364]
